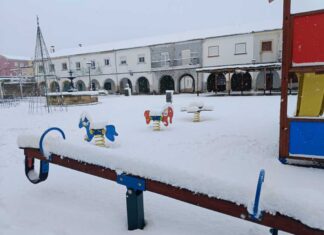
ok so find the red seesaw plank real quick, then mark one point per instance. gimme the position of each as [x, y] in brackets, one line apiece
[278, 221]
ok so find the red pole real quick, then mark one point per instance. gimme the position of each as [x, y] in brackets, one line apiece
[286, 63]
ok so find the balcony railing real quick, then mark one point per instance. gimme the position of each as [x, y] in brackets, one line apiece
[177, 62]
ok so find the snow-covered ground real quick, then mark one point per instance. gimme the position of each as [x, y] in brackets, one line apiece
[220, 156]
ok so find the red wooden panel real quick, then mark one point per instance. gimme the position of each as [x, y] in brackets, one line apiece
[308, 40]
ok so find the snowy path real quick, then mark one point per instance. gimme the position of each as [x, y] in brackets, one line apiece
[226, 149]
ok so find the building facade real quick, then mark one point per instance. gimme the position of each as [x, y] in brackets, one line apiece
[242, 49]
[156, 67]
[174, 66]
[110, 70]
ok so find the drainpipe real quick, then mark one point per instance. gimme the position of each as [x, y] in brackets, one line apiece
[1, 91]
[116, 72]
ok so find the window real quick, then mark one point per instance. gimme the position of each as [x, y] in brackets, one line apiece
[40, 69]
[77, 65]
[93, 64]
[165, 58]
[213, 51]
[240, 48]
[64, 66]
[141, 59]
[123, 60]
[52, 68]
[107, 62]
[185, 54]
[266, 46]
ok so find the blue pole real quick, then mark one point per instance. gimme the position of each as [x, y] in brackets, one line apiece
[256, 214]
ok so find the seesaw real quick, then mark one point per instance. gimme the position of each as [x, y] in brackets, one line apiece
[136, 186]
[196, 108]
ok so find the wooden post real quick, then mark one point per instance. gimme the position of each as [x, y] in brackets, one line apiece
[229, 83]
[286, 63]
[265, 81]
[197, 83]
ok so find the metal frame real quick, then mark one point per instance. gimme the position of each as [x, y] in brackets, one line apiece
[287, 68]
[135, 205]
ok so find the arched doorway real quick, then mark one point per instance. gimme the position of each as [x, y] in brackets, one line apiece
[109, 85]
[143, 85]
[211, 83]
[80, 86]
[186, 84]
[271, 81]
[95, 85]
[241, 82]
[166, 83]
[42, 88]
[54, 87]
[123, 84]
[216, 82]
[220, 82]
[66, 86]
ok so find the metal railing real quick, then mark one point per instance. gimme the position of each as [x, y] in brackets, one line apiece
[176, 62]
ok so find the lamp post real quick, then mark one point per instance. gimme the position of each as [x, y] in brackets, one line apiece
[89, 67]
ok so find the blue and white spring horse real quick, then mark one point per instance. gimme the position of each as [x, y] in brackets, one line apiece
[97, 131]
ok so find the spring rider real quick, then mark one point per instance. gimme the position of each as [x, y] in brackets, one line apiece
[165, 116]
[97, 131]
[196, 108]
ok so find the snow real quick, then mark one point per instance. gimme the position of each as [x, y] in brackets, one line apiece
[220, 156]
[257, 66]
[196, 107]
[75, 93]
[14, 57]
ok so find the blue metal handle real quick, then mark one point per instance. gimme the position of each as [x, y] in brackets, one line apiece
[44, 165]
[256, 215]
[45, 133]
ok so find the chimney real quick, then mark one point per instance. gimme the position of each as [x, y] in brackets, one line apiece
[80, 44]
[52, 50]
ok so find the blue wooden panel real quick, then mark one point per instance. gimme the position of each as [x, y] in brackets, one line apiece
[306, 138]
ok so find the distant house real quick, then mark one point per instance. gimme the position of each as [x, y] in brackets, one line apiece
[15, 66]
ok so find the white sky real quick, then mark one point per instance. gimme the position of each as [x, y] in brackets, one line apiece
[66, 23]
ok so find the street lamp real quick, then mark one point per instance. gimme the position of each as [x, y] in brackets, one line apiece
[89, 67]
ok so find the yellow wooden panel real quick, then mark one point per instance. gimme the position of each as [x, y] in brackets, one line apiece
[310, 95]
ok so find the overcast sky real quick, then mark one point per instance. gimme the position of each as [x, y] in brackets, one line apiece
[66, 23]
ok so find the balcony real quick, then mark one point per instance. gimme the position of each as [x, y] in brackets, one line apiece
[192, 61]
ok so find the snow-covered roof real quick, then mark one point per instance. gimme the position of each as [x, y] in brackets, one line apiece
[14, 57]
[150, 41]
[250, 67]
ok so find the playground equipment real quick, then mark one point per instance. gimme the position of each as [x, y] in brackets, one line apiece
[301, 137]
[97, 131]
[137, 185]
[196, 108]
[165, 116]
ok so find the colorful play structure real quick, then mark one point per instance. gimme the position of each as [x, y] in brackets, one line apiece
[301, 137]
[97, 131]
[165, 116]
[196, 108]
